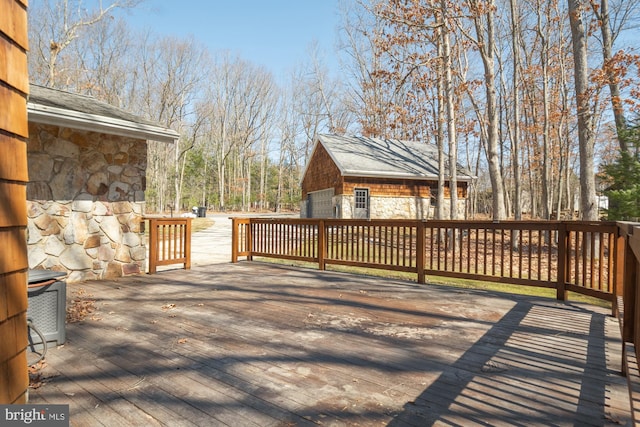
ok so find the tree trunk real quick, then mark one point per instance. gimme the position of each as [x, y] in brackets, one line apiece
[607, 46]
[439, 123]
[487, 53]
[546, 167]
[515, 141]
[203, 201]
[586, 137]
[451, 115]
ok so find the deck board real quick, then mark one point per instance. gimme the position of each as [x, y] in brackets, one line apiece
[255, 344]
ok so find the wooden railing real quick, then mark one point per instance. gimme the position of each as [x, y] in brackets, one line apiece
[600, 259]
[627, 309]
[169, 242]
[581, 257]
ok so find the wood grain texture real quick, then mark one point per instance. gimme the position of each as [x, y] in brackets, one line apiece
[263, 345]
[13, 176]
[13, 65]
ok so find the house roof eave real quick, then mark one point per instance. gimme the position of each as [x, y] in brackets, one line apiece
[43, 114]
[381, 174]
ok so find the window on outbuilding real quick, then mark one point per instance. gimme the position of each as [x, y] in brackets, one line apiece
[433, 194]
[362, 197]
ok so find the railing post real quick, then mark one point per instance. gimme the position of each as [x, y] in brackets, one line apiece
[322, 246]
[187, 245]
[630, 299]
[620, 263]
[630, 290]
[234, 240]
[249, 239]
[153, 245]
[563, 253]
[420, 251]
[619, 267]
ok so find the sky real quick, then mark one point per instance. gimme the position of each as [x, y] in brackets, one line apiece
[273, 33]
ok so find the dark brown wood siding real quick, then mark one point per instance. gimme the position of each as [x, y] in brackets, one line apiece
[14, 86]
[397, 187]
[322, 173]
[389, 187]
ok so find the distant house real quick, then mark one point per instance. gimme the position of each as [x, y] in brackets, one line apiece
[85, 196]
[357, 177]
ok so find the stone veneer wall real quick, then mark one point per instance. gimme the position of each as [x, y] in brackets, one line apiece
[85, 201]
[395, 207]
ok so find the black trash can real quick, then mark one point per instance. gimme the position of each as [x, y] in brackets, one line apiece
[47, 298]
[202, 212]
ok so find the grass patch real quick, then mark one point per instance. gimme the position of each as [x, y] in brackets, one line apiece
[199, 224]
[534, 291]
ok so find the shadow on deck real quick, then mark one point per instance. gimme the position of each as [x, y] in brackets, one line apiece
[259, 344]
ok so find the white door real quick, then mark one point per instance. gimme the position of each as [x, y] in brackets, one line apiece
[361, 203]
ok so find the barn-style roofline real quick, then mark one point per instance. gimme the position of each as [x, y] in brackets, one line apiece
[384, 158]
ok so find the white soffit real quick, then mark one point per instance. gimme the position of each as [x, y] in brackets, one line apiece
[47, 115]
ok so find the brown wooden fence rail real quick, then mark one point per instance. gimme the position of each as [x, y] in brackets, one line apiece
[627, 308]
[169, 242]
[581, 257]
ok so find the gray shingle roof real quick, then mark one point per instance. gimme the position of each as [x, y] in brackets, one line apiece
[53, 106]
[392, 158]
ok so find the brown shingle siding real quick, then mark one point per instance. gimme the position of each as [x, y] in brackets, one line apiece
[15, 293]
[14, 115]
[13, 65]
[322, 173]
[13, 22]
[13, 163]
[14, 379]
[13, 210]
[397, 187]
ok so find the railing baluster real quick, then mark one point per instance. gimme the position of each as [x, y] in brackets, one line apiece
[592, 270]
[611, 267]
[502, 266]
[469, 240]
[577, 256]
[404, 246]
[600, 269]
[454, 246]
[493, 251]
[586, 241]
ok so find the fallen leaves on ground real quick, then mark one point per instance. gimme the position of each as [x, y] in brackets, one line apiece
[82, 305]
[36, 379]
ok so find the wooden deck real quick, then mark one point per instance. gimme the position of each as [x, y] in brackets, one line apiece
[254, 344]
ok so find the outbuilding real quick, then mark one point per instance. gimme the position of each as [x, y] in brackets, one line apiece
[87, 162]
[375, 178]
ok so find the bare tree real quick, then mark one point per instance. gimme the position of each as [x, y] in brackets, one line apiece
[372, 98]
[54, 26]
[104, 57]
[242, 98]
[586, 136]
[610, 28]
[515, 138]
[483, 15]
[447, 66]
